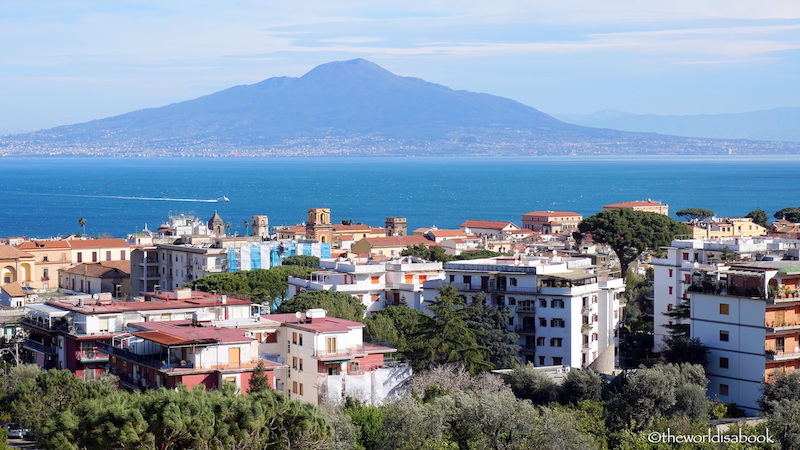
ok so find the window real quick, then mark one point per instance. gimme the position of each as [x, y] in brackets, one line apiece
[687, 278]
[670, 273]
[685, 256]
[294, 337]
[594, 337]
[557, 303]
[376, 280]
[294, 362]
[511, 321]
[513, 281]
[540, 341]
[122, 255]
[452, 278]
[94, 256]
[541, 360]
[45, 258]
[723, 362]
[670, 290]
[300, 366]
[108, 255]
[723, 389]
[669, 307]
[294, 387]
[724, 309]
[585, 339]
[556, 342]
[467, 279]
[557, 360]
[300, 339]
[542, 322]
[724, 336]
[80, 257]
[557, 323]
[512, 301]
[330, 345]
[355, 366]
[543, 303]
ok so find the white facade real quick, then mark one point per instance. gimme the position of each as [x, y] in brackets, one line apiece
[733, 330]
[673, 272]
[375, 283]
[564, 313]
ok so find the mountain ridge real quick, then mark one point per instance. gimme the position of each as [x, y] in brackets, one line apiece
[350, 107]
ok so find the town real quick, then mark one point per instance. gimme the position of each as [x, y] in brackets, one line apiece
[147, 309]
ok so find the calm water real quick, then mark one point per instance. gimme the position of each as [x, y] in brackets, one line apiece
[44, 197]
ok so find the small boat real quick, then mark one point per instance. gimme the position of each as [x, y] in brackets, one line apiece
[223, 199]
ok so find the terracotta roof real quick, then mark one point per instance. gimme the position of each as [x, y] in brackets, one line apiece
[195, 302]
[9, 252]
[178, 332]
[486, 224]
[323, 325]
[346, 237]
[635, 203]
[394, 241]
[93, 270]
[123, 266]
[446, 233]
[14, 289]
[352, 228]
[44, 245]
[552, 213]
[97, 243]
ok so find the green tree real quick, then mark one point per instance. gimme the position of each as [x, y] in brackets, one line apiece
[792, 214]
[368, 419]
[301, 260]
[695, 213]
[781, 385]
[489, 323]
[582, 385]
[479, 254]
[759, 217]
[629, 232]
[222, 283]
[393, 326]
[336, 304]
[271, 286]
[422, 251]
[682, 349]
[258, 380]
[530, 384]
[82, 223]
[445, 337]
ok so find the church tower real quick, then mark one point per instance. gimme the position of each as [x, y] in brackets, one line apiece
[216, 225]
[261, 226]
[396, 226]
[318, 226]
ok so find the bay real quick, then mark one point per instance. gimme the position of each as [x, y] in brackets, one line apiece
[45, 197]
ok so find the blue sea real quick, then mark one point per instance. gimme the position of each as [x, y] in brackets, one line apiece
[44, 197]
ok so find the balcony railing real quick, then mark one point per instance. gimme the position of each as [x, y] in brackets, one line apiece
[91, 356]
[39, 347]
[351, 352]
[779, 354]
[775, 325]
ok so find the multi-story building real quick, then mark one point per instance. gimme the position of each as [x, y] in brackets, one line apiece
[328, 359]
[641, 205]
[67, 333]
[749, 318]
[551, 222]
[16, 265]
[51, 256]
[390, 246]
[376, 283]
[489, 228]
[565, 313]
[685, 259]
[188, 352]
[170, 266]
[724, 227]
[107, 276]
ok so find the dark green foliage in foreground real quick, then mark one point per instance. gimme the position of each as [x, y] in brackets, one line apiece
[792, 214]
[759, 217]
[301, 260]
[266, 286]
[695, 213]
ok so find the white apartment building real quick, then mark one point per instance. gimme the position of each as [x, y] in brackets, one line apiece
[687, 258]
[563, 311]
[376, 283]
[170, 266]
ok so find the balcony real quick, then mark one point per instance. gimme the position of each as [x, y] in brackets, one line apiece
[153, 361]
[526, 330]
[39, 347]
[340, 354]
[780, 354]
[91, 356]
[776, 326]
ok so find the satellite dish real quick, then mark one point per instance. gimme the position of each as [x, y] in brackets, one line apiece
[95, 296]
[298, 314]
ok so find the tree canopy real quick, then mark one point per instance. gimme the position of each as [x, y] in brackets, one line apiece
[759, 217]
[629, 232]
[695, 213]
[336, 304]
[792, 214]
[266, 286]
[301, 260]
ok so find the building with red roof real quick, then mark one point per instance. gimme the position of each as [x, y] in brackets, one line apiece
[641, 205]
[551, 222]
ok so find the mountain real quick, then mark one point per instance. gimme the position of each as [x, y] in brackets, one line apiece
[348, 107]
[779, 124]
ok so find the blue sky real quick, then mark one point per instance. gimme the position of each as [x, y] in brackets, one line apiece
[69, 62]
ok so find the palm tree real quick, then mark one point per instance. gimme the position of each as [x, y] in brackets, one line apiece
[228, 227]
[246, 227]
[82, 223]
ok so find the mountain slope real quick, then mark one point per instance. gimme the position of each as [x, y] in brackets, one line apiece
[779, 124]
[345, 107]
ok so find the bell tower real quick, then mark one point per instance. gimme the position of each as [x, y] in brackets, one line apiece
[318, 226]
[396, 226]
[261, 226]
